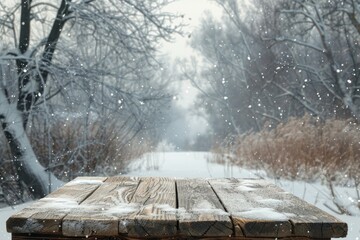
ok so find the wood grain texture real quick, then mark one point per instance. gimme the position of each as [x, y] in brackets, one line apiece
[45, 215]
[306, 220]
[99, 214]
[139, 208]
[157, 216]
[255, 218]
[200, 212]
[52, 237]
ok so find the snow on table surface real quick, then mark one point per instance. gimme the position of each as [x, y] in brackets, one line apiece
[263, 214]
[195, 164]
[85, 182]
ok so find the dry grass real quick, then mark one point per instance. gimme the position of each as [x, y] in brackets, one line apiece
[303, 149]
[69, 149]
[72, 149]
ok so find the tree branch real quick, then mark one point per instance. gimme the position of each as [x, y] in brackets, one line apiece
[295, 41]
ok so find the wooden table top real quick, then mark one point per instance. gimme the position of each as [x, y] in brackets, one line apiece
[133, 208]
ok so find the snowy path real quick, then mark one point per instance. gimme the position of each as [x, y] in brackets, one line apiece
[195, 164]
[185, 164]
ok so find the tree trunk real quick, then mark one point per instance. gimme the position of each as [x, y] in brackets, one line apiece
[14, 118]
[22, 156]
[29, 169]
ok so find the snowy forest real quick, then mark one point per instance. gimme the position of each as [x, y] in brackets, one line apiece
[81, 87]
[279, 86]
[87, 87]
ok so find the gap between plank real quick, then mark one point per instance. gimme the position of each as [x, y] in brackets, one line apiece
[177, 206]
[91, 193]
[137, 186]
[223, 205]
[62, 219]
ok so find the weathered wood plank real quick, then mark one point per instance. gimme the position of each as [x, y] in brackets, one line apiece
[132, 208]
[307, 220]
[157, 216]
[200, 212]
[75, 191]
[45, 215]
[256, 219]
[99, 214]
[52, 237]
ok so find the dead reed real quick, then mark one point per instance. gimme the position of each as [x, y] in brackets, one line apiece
[71, 148]
[302, 148]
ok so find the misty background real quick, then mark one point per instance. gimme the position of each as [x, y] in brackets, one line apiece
[88, 87]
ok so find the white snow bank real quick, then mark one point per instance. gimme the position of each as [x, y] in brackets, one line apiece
[185, 165]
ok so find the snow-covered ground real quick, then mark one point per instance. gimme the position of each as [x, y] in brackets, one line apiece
[184, 164]
[195, 164]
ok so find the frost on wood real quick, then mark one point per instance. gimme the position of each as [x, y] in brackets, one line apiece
[206, 208]
[262, 214]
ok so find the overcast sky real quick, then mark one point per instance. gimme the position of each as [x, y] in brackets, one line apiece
[194, 11]
[187, 125]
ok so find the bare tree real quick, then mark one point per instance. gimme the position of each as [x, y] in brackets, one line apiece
[235, 80]
[322, 41]
[278, 59]
[98, 48]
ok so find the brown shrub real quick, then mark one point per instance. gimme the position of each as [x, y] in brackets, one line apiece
[70, 148]
[303, 148]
